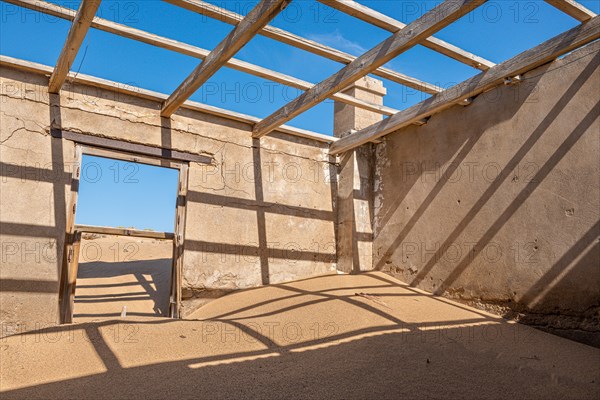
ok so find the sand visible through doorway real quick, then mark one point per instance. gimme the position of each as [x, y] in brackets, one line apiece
[119, 271]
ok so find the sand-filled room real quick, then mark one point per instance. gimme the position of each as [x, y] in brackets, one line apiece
[300, 199]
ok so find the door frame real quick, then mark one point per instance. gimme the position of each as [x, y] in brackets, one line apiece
[73, 232]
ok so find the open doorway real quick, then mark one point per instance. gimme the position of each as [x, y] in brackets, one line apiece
[122, 275]
[125, 250]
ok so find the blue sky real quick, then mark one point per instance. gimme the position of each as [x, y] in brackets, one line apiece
[497, 31]
[123, 194]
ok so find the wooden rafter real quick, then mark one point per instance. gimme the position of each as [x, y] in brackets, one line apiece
[260, 15]
[383, 21]
[79, 28]
[193, 51]
[289, 38]
[573, 8]
[83, 20]
[434, 20]
[526, 61]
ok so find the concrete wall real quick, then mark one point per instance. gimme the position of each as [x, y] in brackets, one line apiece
[262, 213]
[498, 203]
[355, 180]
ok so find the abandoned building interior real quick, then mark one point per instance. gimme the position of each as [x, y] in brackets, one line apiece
[474, 212]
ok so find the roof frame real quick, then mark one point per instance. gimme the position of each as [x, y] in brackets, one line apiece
[193, 51]
[244, 31]
[546, 52]
[392, 25]
[404, 37]
[230, 17]
[77, 32]
[573, 8]
[423, 27]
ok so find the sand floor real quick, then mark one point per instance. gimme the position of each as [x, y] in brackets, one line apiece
[118, 271]
[336, 336]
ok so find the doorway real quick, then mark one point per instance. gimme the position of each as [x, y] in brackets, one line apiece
[124, 244]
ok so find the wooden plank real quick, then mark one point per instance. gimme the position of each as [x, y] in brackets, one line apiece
[178, 244]
[193, 51]
[526, 61]
[92, 81]
[81, 24]
[432, 21]
[573, 8]
[245, 30]
[107, 230]
[121, 145]
[73, 270]
[133, 157]
[383, 21]
[311, 46]
[70, 256]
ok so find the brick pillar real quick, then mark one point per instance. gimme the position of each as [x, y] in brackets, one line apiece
[355, 180]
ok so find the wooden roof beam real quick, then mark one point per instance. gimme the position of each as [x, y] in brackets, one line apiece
[526, 61]
[311, 46]
[245, 30]
[573, 8]
[193, 51]
[79, 28]
[434, 20]
[383, 21]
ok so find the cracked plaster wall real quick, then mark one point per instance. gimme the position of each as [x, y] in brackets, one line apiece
[261, 213]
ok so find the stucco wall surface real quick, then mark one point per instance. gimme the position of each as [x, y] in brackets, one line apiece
[498, 203]
[262, 212]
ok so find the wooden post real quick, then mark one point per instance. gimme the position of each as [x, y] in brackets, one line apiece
[71, 247]
[178, 243]
[73, 269]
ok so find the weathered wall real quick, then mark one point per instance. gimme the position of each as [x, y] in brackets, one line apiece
[498, 203]
[355, 180]
[262, 213]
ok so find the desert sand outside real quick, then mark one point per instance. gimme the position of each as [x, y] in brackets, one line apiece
[119, 271]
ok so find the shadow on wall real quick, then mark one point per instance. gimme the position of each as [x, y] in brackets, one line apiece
[255, 253]
[564, 292]
[256, 233]
[32, 252]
